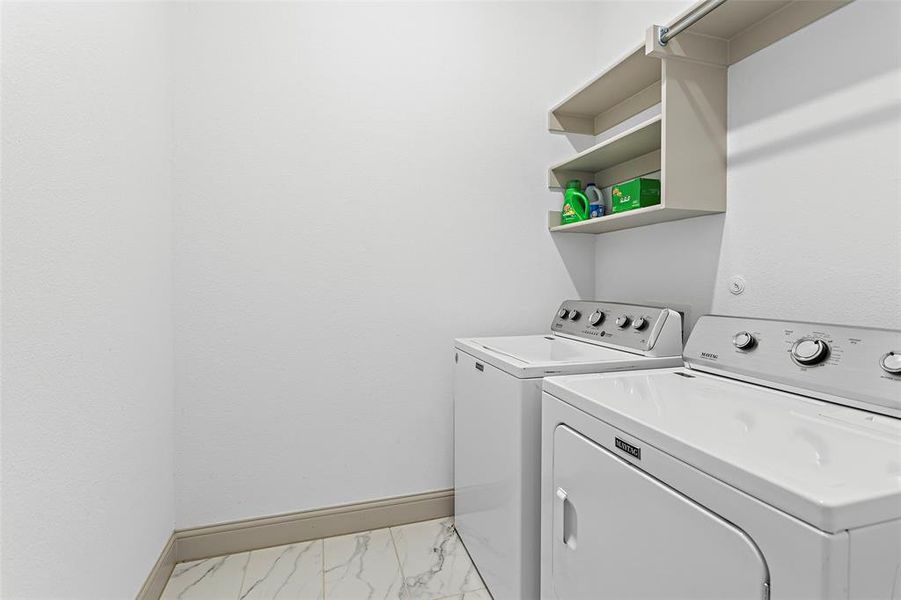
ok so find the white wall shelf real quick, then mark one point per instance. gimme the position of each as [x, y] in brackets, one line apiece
[594, 164]
[743, 27]
[687, 141]
[624, 220]
[629, 86]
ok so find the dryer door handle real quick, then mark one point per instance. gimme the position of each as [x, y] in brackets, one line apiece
[566, 515]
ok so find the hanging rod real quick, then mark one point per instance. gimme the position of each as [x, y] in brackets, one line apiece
[668, 33]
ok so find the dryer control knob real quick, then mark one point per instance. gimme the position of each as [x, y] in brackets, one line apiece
[622, 322]
[639, 323]
[891, 363]
[743, 340]
[596, 318]
[574, 315]
[809, 351]
[563, 313]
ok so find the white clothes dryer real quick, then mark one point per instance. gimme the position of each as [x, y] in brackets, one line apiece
[769, 467]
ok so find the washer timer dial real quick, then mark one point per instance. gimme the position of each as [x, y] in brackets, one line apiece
[809, 351]
[743, 340]
[891, 363]
[596, 318]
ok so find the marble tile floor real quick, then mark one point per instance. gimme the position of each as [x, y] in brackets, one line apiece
[419, 561]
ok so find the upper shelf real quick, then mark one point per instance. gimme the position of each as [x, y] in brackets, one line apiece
[592, 108]
[751, 25]
[733, 31]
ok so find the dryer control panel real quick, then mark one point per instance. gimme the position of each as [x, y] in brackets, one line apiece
[855, 366]
[648, 330]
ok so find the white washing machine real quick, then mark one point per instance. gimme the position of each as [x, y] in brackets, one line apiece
[768, 467]
[497, 411]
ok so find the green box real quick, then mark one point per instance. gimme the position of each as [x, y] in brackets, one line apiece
[635, 193]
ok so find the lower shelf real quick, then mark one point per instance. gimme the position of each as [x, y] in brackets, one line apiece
[624, 220]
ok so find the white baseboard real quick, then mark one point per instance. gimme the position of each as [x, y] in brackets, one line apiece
[263, 532]
[159, 574]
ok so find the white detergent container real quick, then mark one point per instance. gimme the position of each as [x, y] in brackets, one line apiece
[497, 411]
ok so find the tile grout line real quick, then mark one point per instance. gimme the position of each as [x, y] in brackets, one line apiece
[322, 569]
[400, 566]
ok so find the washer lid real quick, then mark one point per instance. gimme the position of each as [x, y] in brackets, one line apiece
[541, 355]
[831, 466]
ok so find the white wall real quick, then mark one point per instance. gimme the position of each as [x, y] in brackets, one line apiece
[87, 431]
[356, 184]
[313, 350]
[813, 185]
[814, 221]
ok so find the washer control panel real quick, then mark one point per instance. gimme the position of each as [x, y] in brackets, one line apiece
[643, 329]
[857, 366]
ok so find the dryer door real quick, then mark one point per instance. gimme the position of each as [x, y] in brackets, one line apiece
[621, 534]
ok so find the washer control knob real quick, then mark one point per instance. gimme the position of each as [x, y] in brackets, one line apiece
[622, 322]
[743, 340]
[639, 323]
[563, 313]
[808, 351]
[574, 315]
[596, 318]
[891, 363]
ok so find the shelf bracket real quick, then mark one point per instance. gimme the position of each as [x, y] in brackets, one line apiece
[665, 34]
[703, 49]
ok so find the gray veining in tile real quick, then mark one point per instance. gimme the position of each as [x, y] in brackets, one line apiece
[293, 571]
[362, 566]
[420, 561]
[476, 595]
[208, 579]
[433, 560]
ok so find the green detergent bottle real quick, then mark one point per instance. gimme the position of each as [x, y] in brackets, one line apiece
[575, 203]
